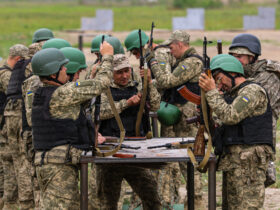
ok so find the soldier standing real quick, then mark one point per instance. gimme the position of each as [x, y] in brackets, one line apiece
[16, 53]
[246, 133]
[127, 96]
[186, 72]
[58, 121]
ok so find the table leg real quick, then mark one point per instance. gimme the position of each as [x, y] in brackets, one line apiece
[155, 127]
[190, 186]
[84, 186]
[212, 185]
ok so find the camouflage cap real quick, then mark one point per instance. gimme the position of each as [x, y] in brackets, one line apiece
[18, 50]
[120, 62]
[178, 35]
[240, 51]
[35, 47]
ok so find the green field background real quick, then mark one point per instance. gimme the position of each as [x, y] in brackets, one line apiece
[18, 20]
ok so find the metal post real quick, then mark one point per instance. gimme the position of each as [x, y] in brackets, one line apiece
[190, 186]
[212, 184]
[84, 186]
[155, 127]
[80, 39]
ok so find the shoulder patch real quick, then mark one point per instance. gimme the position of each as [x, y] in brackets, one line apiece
[162, 63]
[183, 67]
[245, 99]
[29, 93]
[78, 84]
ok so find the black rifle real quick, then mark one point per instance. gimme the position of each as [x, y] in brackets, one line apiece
[151, 36]
[142, 60]
[173, 145]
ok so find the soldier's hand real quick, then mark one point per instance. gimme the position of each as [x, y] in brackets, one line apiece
[149, 75]
[93, 70]
[206, 83]
[134, 100]
[106, 49]
[101, 139]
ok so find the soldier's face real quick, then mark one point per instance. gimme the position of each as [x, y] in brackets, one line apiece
[77, 75]
[136, 53]
[175, 49]
[244, 59]
[223, 83]
[122, 76]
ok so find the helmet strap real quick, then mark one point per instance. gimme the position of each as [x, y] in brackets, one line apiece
[254, 59]
[71, 77]
[56, 78]
[231, 77]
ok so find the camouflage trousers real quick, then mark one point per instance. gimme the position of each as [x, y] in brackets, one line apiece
[21, 166]
[59, 186]
[245, 166]
[141, 180]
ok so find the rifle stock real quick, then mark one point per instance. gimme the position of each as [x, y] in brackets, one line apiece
[188, 95]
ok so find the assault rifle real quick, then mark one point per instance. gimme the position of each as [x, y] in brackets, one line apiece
[109, 146]
[151, 36]
[175, 145]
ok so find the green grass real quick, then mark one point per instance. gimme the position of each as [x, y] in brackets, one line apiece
[19, 20]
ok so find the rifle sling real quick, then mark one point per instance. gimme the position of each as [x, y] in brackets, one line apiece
[122, 130]
[142, 102]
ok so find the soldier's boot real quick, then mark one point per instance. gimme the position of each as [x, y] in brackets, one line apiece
[27, 205]
[10, 206]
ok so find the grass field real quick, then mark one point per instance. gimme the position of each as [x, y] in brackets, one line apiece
[19, 20]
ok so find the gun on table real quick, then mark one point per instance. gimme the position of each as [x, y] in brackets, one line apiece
[112, 139]
[175, 145]
[108, 146]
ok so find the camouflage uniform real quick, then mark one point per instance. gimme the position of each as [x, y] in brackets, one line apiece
[5, 75]
[186, 69]
[13, 119]
[29, 86]
[140, 179]
[57, 177]
[266, 73]
[245, 164]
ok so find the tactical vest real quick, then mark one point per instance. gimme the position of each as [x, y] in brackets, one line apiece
[251, 130]
[18, 76]
[172, 96]
[49, 132]
[110, 127]
[3, 97]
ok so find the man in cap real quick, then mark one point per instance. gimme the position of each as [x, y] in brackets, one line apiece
[186, 72]
[169, 176]
[126, 95]
[58, 125]
[16, 53]
[244, 140]
[13, 119]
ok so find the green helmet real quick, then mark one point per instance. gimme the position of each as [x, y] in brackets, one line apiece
[76, 58]
[56, 43]
[227, 63]
[42, 34]
[47, 61]
[96, 41]
[132, 40]
[168, 114]
[117, 45]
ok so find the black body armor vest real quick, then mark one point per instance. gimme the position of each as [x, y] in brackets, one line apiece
[49, 132]
[172, 96]
[110, 127]
[18, 76]
[251, 130]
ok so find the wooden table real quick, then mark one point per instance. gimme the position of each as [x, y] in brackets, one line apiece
[146, 157]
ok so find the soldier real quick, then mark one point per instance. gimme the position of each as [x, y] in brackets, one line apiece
[247, 48]
[186, 71]
[127, 96]
[246, 133]
[58, 121]
[16, 53]
[168, 190]
[13, 119]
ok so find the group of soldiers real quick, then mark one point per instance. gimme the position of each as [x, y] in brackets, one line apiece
[47, 117]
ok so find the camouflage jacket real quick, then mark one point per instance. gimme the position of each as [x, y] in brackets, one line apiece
[5, 75]
[187, 69]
